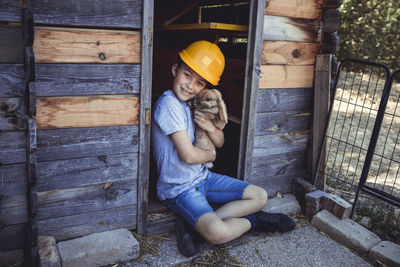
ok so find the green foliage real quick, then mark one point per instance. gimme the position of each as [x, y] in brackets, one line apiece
[370, 30]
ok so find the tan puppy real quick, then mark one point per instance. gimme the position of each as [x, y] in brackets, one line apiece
[209, 102]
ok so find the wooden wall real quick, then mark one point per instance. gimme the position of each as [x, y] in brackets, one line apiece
[292, 38]
[88, 71]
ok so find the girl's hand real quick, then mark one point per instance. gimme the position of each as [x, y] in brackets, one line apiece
[203, 122]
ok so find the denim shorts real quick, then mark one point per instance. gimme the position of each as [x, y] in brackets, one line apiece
[195, 201]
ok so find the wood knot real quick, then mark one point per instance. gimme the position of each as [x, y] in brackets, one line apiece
[128, 87]
[102, 56]
[98, 43]
[296, 53]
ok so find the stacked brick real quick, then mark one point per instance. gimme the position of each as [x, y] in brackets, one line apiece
[319, 200]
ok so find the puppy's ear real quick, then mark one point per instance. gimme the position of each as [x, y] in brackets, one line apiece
[222, 111]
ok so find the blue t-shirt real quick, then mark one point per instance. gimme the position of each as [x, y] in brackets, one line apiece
[172, 115]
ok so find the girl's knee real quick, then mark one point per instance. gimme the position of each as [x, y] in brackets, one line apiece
[214, 231]
[256, 193]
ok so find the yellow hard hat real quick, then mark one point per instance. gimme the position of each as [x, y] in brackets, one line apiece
[206, 59]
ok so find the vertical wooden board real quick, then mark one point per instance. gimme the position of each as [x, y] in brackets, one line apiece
[12, 147]
[67, 45]
[277, 164]
[86, 111]
[13, 210]
[275, 100]
[283, 122]
[12, 83]
[266, 145]
[253, 62]
[121, 13]
[60, 203]
[86, 142]
[321, 107]
[12, 114]
[80, 172]
[308, 9]
[291, 29]
[289, 53]
[286, 76]
[13, 180]
[12, 237]
[73, 226]
[11, 45]
[10, 10]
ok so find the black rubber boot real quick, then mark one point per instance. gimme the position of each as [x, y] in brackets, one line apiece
[184, 238]
[274, 222]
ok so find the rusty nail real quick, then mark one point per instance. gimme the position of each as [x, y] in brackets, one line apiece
[102, 56]
[128, 87]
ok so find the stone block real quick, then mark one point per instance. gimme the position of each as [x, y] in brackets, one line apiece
[346, 232]
[300, 188]
[48, 252]
[386, 252]
[336, 205]
[287, 204]
[313, 205]
[99, 249]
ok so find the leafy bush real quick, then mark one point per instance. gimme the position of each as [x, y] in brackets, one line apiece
[370, 30]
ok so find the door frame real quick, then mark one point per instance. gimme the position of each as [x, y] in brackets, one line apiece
[145, 116]
[251, 85]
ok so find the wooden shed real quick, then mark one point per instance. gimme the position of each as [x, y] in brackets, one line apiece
[78, 80]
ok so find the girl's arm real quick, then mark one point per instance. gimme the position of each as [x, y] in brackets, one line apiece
[187, 152]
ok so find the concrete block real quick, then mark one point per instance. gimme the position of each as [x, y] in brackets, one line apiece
[336, 205]
[99, 249]
[386, 252]
[346, 232]
[300, 188]
[48, 252]
[287, 204]
[313, 205]
[11, 258]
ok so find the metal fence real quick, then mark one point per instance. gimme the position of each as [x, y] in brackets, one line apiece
[362, 146]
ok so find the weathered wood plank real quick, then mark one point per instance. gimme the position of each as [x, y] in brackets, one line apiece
[330, 43]
[278, 183]
[86, 46]
[323, 74]
[122, 13]
[331, 20]
[60, 203]
[332, 3]
[11, 50]
[277, 164]
[10, 10]
[289, 53]
[308, 9]
[63, 174]
[86, 142]
[13, 180]
[12, 82]
[266, 145]
[283, 122]
[253, 63]
[12, 237]
[13, 210]
[124, 74]
[86, 111]
[92, 222]
[12, 147]
[274, 100]
[291, 29]
[286, 76]
[12, 114]
[92, 88]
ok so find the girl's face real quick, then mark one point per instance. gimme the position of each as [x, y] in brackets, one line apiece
[187, 83]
